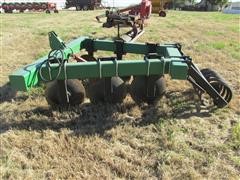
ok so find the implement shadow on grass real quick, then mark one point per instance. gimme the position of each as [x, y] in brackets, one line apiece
[7, 93]
[91, 119]
[174, 105]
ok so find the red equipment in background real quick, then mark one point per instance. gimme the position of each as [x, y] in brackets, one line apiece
[31, 6]
[144, 9]
[132, 16]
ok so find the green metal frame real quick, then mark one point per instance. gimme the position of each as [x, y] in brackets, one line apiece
[158, 59]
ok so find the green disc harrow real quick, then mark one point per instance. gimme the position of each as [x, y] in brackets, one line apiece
[70, 77]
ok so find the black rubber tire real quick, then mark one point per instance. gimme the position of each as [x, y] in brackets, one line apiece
[56, 11]
[29, 6]
[91, 7]
[162, 14]
[97, 91]
[44, 6]
[48, 11]
[75, 89]
[85, 8]
[78, 8]
[17, 6]
[140, 86]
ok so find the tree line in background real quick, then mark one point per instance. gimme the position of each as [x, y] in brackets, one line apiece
[181, 3]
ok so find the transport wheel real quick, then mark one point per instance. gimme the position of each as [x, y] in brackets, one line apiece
[219, 84]
[36, 6]
[44, 6]
[55, 11]
[147, 89]
[29, 6]
[17, 6]
[75, 90]
[162, 14]
[112, 90]
[78, 8]
[48, 11]
[85, 7]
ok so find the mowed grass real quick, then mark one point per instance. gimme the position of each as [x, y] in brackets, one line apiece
[175, 139]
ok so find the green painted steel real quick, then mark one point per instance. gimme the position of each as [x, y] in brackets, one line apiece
[55, 42]
[172, 52]
[165, 50]
[177, 69]
[159, 59]
[28, 76]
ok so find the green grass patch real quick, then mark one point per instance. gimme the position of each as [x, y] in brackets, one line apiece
[170, 25]
[218, 45]
[235, 54]
[41, 54]
[236, 135]
[236, 160]
[220, 17]
[36, 91]
[235, 29]
[202, 47]
[213, 33]
[234, 49]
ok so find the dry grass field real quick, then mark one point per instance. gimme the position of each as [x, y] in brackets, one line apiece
[171, 140]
